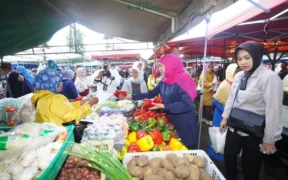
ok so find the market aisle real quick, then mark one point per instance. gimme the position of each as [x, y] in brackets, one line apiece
[220, 165]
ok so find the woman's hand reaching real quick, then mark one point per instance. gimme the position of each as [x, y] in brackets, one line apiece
[223, 125]
[157, 106]
[127, 97]
[93, 101]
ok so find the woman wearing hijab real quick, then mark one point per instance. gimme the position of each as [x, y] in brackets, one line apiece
[219, 101]
[54, 107]
[18, 85]
[256, 90]
[134, 85]
[26, 74]
[178, 91]
[208, 92]
[82, 82]
[69, 89]
[152, 77]
[138, 65]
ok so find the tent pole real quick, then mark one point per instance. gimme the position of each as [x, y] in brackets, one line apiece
[154, 63]
[203, 80]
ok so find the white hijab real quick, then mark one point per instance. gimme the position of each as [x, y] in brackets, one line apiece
[140, 71]
[82, 79]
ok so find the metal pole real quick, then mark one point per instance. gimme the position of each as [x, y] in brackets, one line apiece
[203, 81]
[155, 63]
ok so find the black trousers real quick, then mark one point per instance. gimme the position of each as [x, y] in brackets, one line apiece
[251, 155]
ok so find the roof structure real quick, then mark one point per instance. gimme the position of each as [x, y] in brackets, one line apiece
[29, 23]
[268, 28]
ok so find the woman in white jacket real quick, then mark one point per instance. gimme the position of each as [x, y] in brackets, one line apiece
[135, 85]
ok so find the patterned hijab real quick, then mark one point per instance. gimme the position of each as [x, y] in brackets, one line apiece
[48, 79]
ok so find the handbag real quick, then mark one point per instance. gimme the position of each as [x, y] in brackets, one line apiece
[84, 93]
[246, 121]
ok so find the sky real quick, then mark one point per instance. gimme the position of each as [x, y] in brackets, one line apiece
[92, 37]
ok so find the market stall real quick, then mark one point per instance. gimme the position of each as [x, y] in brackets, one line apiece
[121, 140]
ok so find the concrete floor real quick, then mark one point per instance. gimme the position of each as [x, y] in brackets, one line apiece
[221, 166]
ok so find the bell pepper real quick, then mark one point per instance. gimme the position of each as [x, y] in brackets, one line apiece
[151, 113]
[127, 142]
[159, 128]
[116, 93]
[141, 133]
[147, 103]
[183, 148]
[170, 127]
[156, 136]
[123, 93]
[157, 99]
[145, 143]
[130, 121]
[134, 127]
[143, 125]
[157, 116]
[134, 148]
[151, 121]
[120, 155]
[166, 136]
[166, 119]
[132, 137]
[143, 117]
[155, 148]
[160, 122]
[148, 128]
[175, 144]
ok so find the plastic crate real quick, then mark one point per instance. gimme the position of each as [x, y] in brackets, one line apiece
[209, 167]
[55, 166]
[4, 127]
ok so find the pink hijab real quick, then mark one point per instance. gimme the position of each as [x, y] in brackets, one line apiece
[174, 73]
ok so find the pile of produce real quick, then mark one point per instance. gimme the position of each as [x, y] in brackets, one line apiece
[170, 168]
[113, 107]
[30, 164]
[102, 160]
[78, 169]
[150, 131]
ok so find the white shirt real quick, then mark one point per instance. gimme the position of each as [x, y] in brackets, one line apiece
[112, 85]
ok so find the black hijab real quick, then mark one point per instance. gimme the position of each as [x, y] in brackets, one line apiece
[18, 88]
[256, 50]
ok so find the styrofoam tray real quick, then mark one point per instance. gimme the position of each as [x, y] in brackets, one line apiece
[209, 167]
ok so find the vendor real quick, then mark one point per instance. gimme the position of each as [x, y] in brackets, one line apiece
[134, 85]
[155, 75]
[178, 91]
[54, 107]
[17, 85]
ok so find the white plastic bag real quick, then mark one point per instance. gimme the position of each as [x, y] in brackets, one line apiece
[217, 139]
[26, 113]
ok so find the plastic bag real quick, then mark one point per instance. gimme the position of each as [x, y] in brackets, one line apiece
[15, 102]
[217, 139]
[26, 113]
[27, 136]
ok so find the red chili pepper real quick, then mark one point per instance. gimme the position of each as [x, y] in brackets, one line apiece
[157, 99]
[147, 103]
[151, 113]
[134, 148]
[116, 93]
[141, 133]
[123, 93]
[157, 136]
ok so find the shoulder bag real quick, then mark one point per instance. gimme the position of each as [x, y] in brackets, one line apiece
[246, 121]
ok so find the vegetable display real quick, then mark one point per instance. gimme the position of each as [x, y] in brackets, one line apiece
[78, 169]
[171, 167]
[151, 131]
[102, 160]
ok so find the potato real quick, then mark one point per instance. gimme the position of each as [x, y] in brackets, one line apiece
[198, 161]
[142, 161]
[179, 161]
[134, 170]
[170, 157]
[149, 170]
[161, 172]
[182, 172]
[195, 174]
[204, 175]
[167, 165]
[156, 162]
[168, 175]
[153, 177]
[187, 161]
